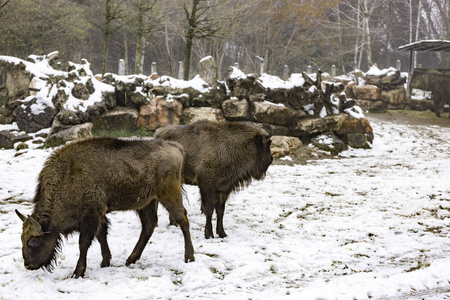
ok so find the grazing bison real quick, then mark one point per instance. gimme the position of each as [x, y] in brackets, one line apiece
[440, 87]
[220, 158]
[83, 181]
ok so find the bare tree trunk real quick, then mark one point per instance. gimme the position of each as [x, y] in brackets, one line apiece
[167, 46]
[187, 56]
[357, 61]
[410, 21]
[125, 48]
[417, 29]
[105, 52]
[138, 64]
[367, 39]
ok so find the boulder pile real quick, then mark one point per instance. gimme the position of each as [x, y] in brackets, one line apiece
[40, 100]
[378, 90]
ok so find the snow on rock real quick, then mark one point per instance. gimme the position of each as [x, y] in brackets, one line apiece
[196, 83]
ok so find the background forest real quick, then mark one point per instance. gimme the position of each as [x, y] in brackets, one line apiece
[297, 33]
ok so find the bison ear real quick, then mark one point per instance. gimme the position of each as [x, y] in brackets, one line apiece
[22, 217]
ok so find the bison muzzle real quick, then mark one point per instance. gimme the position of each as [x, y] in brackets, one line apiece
[220, 158]
[84, 180]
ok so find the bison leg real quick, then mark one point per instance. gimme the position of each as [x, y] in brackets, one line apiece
[88, 229]
[101, 237]
[220, 210]
[208, 203]
[178, 213]
[149, 220]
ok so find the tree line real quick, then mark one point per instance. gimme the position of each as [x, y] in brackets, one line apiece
[299, 33]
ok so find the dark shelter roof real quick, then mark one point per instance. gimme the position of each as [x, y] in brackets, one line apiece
[428, 45]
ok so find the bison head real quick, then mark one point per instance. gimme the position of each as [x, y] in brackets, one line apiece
[39, 244]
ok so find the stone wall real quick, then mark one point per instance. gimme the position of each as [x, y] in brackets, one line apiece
[68, 104]
[378, 90]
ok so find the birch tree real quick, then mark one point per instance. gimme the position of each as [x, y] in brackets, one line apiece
[144, 22]
[112, 20]
[200, 24]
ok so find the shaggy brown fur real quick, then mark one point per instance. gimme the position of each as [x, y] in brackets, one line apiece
[83, 181]
[220, 158]
[440, 87]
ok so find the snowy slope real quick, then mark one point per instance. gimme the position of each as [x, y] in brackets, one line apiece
[371, 224]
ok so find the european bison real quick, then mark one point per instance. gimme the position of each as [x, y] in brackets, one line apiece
[220, 158]
[440, 87]
[83, 181]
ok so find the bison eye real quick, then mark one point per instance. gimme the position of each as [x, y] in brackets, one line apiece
[34, 242]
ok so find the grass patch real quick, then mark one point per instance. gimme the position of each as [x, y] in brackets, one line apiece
[427, 114]
[130, 132]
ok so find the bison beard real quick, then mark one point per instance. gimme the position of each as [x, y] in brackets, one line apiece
[83, 181]
[220, 158]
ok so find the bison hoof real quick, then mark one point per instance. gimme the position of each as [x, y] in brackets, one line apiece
[77, 274]
[105, 264]
[190, 259]
[222, 234]
[129, 263]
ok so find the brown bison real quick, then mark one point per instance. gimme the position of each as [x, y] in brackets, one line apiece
[83, 181]
[440, 87]
[220, 158]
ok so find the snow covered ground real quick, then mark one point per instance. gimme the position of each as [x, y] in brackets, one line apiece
[370, 224]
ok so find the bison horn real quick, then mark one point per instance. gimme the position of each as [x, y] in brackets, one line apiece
[36, 226]
[22, 217]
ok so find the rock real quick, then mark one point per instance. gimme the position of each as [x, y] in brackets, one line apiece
[295, 97]
[366, 92]
[159, 112]
[370, 105]
[34, 115]
[60, 97]
[273, 130]
[279, 152]
[17, 81]
[244, 87]
[287, 143]
[6, 120]
[277, 114]
[130, 94]
[208, 71]
[116, 119]
[306, 127]
[192, 114]
[70, 117]
[57, 126]
[348, 90]
[385, 79]
[80, 91]
[356, 132]
[73, 133]
[354, 125]
[327, 141]
[420, 105]
[395, 106]
[236, 110]
[154, 76]
[357, 140]
[8, 139]
[395, 97]
[212, 98]
[21, 146]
